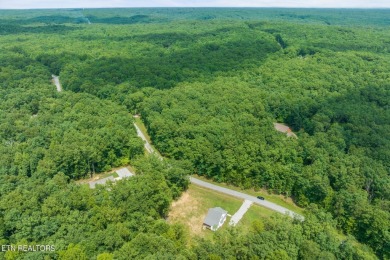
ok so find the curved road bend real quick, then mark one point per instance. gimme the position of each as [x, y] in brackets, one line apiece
[234, 193]
[241, 195]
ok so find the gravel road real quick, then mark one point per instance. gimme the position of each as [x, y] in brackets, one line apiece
[148, 147]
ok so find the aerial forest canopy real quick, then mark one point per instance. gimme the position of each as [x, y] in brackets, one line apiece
[209, 84]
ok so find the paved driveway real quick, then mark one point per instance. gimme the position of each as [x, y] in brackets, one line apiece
[240, 213]
[122, 173]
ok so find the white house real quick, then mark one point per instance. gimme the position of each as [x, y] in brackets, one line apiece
[215, 218]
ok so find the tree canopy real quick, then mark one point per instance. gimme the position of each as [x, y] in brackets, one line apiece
[209, 84]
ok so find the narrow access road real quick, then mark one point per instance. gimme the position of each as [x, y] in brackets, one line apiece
[148, 147]
[234, 193]
[56, 81]
[244, 196]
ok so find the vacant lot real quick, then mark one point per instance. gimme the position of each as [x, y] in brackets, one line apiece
[193, 205]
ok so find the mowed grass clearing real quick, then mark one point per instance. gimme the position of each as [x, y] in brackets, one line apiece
[255, 212]
[277, 199]
[191, 209]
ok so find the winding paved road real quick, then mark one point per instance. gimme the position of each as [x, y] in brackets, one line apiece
[234, 193]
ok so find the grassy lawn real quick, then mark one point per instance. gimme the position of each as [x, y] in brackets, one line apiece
[131, 169]
[255, 212]
[277, 199]
[192, 207]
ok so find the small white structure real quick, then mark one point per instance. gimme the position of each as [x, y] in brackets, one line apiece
[215, 218]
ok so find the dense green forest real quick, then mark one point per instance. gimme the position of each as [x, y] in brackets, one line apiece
[209, 84]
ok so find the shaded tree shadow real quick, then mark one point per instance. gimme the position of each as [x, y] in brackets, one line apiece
[165, 70]
[124, 20]
[7, 29]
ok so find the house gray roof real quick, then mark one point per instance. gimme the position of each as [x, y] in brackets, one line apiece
[214, 216]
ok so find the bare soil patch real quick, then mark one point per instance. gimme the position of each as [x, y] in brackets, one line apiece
[284, 129]
[186, 211]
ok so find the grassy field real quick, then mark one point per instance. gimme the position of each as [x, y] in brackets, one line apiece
[278, 199]
[191, 209]
[255, 212]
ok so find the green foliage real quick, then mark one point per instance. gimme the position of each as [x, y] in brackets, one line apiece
[175, 172]
[105, 256]
[284, 238]
[75, 134]
[106, 218]
[223, 131]
[73, 252]
[209, 84]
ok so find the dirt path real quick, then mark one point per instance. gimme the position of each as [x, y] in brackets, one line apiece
[284, 129]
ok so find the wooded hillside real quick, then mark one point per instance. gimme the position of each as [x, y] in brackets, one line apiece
[208, 84]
